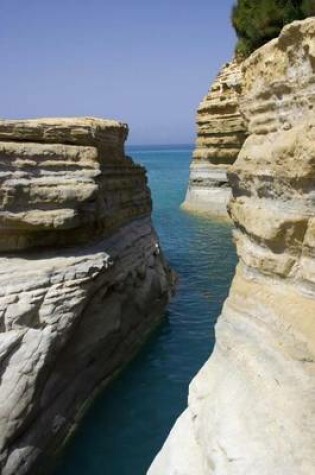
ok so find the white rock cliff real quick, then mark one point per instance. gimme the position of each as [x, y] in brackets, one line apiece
[82, 277]
[221, 132]
[252, 406]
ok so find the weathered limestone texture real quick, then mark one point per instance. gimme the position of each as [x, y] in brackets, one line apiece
[252, 406]
[82, 277]
[221, 133]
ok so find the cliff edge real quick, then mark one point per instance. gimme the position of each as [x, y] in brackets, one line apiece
[82, 276]
[252, 406]
[221, 132]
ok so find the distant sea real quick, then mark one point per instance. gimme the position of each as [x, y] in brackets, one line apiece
[129, 422]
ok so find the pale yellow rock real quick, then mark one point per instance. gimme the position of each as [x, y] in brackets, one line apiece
[252, 406]
[221, 132]
[71, 131]
[77, 186]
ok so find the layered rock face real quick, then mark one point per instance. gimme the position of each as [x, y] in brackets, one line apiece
[82, 277]
[252, 406]
[221, 132]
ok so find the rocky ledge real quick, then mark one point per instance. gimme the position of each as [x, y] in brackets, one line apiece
[252, 406]
[221, 132]
[82, 276]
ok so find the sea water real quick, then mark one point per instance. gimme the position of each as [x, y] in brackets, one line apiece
[129, 422]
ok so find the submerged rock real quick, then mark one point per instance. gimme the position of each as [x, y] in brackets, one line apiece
[221, 133]
[252, 406]
[81, 281]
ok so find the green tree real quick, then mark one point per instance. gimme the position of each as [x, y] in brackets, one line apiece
[258, 21]
[308, 7]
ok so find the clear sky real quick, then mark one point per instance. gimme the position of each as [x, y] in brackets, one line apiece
[144, 62]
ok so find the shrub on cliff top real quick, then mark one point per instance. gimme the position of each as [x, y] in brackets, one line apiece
[258, 21]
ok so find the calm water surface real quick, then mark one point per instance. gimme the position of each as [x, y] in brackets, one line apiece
[129, 422]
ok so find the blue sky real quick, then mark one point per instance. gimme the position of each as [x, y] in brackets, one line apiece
[146, 63]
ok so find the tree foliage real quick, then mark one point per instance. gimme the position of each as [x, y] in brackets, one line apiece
[258, 21]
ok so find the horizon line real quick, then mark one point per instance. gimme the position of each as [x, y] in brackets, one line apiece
[161, 144]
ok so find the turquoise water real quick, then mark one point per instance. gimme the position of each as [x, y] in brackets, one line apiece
[128, 424]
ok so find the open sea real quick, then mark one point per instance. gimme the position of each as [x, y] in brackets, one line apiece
[129, 422]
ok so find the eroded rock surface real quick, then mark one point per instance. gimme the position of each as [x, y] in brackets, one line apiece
[252, 406]
[82, 277]
[221, 132]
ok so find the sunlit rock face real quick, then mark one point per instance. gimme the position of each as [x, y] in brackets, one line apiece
[221, 132]
[82, 276]
[252, 406]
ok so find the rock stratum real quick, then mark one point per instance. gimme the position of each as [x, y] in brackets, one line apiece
[221, 132]
[252, 406]
[82, 277]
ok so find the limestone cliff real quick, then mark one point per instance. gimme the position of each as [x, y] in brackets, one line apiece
[221, 132]
[252, 406]
[82, 276]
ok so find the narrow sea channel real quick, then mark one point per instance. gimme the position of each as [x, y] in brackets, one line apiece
[129, 422]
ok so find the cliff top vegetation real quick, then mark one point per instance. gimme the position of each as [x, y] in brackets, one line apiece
[258, 21]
